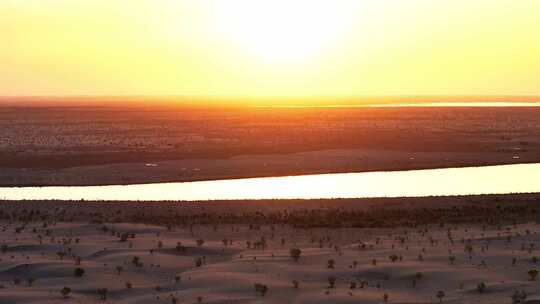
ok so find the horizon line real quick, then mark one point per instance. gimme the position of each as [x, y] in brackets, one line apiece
[314, 101]
[263, 96]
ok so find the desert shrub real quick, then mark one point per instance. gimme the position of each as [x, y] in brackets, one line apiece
[78, 272]
[331, 282]
[124, 237]
[295, 254]
[481, 287]
[30, 281]
[330, 264]
[440, 295]
[533, 273]
[65, 292]
[518, 297]
[136, 261]
[261, 288]
[103, 292]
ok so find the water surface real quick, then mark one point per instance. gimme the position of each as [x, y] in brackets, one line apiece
[435, 104]
[519, 178]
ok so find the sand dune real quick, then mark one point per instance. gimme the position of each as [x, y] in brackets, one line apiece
[162, 271]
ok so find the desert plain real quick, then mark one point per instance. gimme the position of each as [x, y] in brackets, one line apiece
[477, 249]
[469, 249]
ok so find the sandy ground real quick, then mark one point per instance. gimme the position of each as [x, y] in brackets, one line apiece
[234, 257]
[326, 161]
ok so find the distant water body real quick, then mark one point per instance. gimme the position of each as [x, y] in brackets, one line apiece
[486, 104]
[463, 104]
[504, 179]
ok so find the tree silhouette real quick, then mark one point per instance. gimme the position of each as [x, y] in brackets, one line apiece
[331, 282]
[330, 264]
[440, 295]
[533, 273]
[102, 292]
[295, 254]
[261, 288]
[30, 281]
[481, 287]
[78, 272]
[65, 292]
[518, 297]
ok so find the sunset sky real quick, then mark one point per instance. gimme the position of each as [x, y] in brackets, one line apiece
[276, 47]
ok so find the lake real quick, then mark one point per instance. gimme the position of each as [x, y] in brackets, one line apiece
[518, 178]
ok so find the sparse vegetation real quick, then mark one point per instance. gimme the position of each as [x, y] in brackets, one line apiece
[275, 239]
[261, 289]
[533, 273]
[518, 297]
[78, 272]
[65, 292]
[103, 293]
[331, 282]
[440, 295]
[295, 254]
[481, 287]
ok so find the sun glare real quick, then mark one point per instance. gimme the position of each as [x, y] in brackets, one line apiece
[283, 30]
[270, 48]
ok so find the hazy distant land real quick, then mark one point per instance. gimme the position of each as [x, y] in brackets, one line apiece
[121, 143]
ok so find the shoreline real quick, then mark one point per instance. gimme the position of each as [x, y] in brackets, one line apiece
[402, 184]
[331, 213]
[346, 203]
[255, 166]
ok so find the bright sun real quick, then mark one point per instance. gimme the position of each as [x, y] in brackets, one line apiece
[283, 30]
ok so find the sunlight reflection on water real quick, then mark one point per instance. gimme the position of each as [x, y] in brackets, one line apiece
[519, 178]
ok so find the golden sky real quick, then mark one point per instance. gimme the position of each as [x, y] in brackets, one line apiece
[271, 48]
